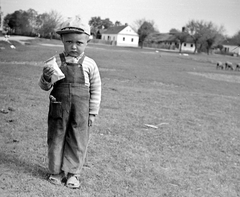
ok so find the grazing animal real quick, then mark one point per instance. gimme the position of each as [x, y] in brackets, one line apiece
[219, 65]
[228, 66]
[237, 67]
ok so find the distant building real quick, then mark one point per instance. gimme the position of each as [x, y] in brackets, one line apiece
[162, 40]
[188, 47]
[99, 33]
[169, 41]
[121, 36]
[234, 49]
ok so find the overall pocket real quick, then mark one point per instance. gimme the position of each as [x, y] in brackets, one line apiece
[56, 110]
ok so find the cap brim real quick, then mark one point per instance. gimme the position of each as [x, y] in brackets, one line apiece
[70, 31]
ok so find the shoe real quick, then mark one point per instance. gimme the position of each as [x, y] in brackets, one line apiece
[56, 179]
[73, 181]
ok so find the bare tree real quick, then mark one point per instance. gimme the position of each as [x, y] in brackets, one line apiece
[236, 39]
[97, 23]
[49, 23]
[144, 28]
[205, 34]
[32, 20]
[137, 24]
[213, 36]
[117, 23]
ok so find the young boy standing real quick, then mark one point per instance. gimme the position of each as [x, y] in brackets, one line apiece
[74, 104]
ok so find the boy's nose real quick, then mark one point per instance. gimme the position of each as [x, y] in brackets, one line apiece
[74, 46]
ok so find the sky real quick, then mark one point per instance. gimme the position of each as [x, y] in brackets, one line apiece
[166, 14]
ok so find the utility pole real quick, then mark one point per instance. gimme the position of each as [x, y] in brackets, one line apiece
[1, 15]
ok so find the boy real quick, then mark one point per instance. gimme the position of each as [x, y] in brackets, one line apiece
[74, 103]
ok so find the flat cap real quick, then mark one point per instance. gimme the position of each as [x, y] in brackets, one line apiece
[74, 25]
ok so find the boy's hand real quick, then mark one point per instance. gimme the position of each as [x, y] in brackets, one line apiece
[91, 120]
[47, 73]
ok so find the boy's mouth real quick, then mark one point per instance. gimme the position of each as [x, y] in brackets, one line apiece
[74, 53]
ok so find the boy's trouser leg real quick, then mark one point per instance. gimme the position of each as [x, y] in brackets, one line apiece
[77, 136]
[56, 136]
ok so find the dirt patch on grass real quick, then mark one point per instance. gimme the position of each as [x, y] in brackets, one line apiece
[219, 77]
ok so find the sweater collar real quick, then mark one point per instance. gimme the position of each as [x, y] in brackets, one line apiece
[70, 59]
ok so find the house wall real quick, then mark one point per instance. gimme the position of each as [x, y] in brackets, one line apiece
[122, 40]
[127, 40]
[231, 49]
[188, 47]
[128, 31]
[127, 37]
[109, 37]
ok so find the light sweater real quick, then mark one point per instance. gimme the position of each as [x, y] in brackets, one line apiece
[92, 80]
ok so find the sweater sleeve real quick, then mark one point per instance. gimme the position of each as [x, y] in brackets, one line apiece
[95, 90]
[44, 85]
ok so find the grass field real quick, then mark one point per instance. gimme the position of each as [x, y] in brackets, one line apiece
[193, 151]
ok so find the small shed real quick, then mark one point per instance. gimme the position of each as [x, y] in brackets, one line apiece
[234, 49]
[121, 36]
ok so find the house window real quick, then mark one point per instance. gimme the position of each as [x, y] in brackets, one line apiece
[185, 44]
[109, 38]
[123, 38]
[132, 39]
[191, 45]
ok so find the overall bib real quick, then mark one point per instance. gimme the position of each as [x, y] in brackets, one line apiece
[68, 131]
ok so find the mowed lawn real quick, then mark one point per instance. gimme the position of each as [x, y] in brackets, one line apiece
[169, 125]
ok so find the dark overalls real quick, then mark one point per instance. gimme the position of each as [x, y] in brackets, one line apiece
[68, 131]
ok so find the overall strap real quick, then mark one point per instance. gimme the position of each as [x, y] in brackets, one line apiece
[81, 60]
[62, 58]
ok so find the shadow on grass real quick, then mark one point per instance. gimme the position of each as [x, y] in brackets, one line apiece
[16, 164]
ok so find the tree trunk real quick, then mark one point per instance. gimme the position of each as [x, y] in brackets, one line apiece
[180, 48]
[195, 50]
[208, 50]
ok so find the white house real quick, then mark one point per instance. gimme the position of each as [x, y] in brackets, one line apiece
[121, 36]
[231, 49]
[188, 47]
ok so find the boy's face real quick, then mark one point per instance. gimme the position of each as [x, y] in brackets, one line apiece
[74, 44]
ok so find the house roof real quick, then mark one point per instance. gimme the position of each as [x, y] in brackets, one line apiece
[166, 37]
[114, 30]
[161, 37]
